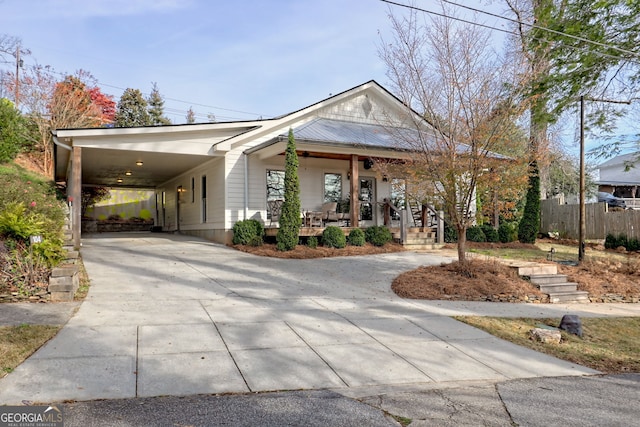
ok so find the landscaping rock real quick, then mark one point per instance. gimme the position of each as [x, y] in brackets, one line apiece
[546, 336]
[572, 324]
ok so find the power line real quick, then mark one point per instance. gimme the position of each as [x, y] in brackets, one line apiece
[51, 71]
[628, 52]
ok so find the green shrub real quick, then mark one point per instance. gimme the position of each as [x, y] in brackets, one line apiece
[530, 221]
[290, 221]
[507, 232]
[610, 241]
[490, 233]
[633, 244]
[613, 242]
[475, 234]
[333, 237]
[356, 237]
[312, 242]
[378, 235]
[248, 232]
[450, 233]
[16, 223]
[19, 223]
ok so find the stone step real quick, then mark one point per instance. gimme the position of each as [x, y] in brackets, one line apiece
[422, 246]
[416, 241]
[550, 288]
[534, 269]
[577, 296]
[543, 279]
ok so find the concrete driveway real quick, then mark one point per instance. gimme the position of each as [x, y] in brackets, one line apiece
[175, 315]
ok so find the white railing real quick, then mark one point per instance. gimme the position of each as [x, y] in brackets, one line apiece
[632, 203]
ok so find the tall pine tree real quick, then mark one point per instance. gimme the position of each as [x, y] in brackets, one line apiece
[290, 221]
[156, 107]
[132, 110]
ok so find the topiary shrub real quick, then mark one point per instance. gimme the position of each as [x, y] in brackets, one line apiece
[312, 242]
[475, 234]
[248, 232]
[530, 222]
[507, 232]
[378, 235]
[490, 233]
[356, 237]
[333, 237]
[290, 221]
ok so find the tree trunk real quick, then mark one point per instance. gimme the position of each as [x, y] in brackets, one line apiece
[462, 244]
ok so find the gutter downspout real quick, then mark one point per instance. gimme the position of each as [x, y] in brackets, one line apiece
[246, 185]
[60, 144]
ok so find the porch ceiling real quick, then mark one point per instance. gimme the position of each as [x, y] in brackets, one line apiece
[104, 167]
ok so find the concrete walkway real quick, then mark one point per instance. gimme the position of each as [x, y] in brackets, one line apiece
[174, 315]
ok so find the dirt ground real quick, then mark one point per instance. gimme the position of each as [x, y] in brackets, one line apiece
[484, 279]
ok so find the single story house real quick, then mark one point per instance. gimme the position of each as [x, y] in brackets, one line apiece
[620, 176]
[208, 176]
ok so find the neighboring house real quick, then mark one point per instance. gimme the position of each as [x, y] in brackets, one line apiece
[620, 176]
[208, 176]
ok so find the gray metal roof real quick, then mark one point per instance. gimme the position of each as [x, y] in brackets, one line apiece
[333, 132]
[352, 133]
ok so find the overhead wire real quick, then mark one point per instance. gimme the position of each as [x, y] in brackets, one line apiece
[570, 36]
[176, 111]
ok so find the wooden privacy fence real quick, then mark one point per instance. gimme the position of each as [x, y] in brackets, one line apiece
[599, 221]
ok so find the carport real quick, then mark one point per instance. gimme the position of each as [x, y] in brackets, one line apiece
[141, 157]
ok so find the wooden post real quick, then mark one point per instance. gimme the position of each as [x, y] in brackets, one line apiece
[355, 191]
[76, 194]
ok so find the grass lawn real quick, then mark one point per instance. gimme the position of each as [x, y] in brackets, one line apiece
[610, 345]
[19, 342]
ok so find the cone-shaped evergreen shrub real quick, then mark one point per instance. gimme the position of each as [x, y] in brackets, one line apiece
[290, 221]
[530, 222]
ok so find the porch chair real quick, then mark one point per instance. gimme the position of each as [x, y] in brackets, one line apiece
[329, 212]
[275, 208]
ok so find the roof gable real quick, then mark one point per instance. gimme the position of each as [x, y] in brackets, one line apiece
[368, 103]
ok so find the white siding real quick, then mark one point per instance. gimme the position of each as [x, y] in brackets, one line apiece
[363, 108]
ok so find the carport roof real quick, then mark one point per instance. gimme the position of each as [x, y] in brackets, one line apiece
[108, 154]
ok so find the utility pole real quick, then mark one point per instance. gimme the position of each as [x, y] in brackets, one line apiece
[582, 231]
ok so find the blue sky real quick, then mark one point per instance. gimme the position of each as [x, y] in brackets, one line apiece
[265, 58]
[240, 60]
[235, 59]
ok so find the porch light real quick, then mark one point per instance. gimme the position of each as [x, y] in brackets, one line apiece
[128, 173]
[119, 180]
[139, 163]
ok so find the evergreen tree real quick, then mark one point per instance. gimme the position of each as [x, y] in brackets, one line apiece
[132, 109]
[156, 107]
[290, 220]
[530, 222]
[13, 128]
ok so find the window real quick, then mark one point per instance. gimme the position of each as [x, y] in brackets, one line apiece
[275, 187]
[398, 196]
[204, 198]
[332, 187]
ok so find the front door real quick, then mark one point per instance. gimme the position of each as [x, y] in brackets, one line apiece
[367, 200]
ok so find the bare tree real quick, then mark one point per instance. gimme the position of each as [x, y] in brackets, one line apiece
[464, 98]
